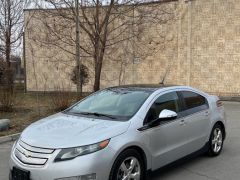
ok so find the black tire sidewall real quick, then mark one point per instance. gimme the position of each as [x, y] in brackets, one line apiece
[211, 151]
[124, 155]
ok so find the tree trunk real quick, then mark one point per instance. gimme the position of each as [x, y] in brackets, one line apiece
[78, 60]
[98, 70]
[8, 52]
[9, 73]
[98, 59]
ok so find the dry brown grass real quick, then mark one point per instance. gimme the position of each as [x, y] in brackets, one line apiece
[31, 107]
[7, 100]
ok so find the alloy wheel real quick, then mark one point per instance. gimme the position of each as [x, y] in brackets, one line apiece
[129, 170]
[217, 140]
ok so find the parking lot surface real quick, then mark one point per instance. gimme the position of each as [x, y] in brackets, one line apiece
[224, 167]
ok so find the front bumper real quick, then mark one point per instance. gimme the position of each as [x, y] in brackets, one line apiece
[98, 163]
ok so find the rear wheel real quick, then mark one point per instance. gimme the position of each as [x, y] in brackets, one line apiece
[128, 166]
[216, 141]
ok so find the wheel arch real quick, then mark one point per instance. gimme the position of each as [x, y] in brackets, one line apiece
[140, 150]
[141, 153]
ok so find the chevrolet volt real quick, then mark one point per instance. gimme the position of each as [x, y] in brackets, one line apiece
[120, 133]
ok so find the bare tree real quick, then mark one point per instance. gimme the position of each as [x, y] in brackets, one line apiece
[11, 30]
[103, 26]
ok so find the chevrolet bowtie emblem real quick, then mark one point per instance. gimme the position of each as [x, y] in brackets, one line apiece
[26, 154]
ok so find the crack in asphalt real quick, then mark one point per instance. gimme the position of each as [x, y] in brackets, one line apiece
[200, 174]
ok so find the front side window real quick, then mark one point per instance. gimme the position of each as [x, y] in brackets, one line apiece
[193, 100]
[116, 103]
[169, 101]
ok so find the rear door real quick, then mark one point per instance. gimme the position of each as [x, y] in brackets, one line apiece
[196, 115]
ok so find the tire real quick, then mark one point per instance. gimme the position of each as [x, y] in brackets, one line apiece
[215, 144]
[121, 167]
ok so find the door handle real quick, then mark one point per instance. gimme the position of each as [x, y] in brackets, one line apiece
[182, 122]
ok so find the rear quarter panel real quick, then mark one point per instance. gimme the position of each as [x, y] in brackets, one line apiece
[216, 113]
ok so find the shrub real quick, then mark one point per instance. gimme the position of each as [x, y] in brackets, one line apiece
[83, 73]
[61, 100]
[6, 74]
[7, 99]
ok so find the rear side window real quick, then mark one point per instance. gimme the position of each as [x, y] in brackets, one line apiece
[193, 100]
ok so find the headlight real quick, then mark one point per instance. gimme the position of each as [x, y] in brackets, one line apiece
[71, 153]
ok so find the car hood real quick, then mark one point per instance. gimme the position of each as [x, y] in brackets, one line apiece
[64, 131]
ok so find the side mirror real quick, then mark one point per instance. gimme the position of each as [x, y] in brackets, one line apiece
[167, 115]
[164, 115]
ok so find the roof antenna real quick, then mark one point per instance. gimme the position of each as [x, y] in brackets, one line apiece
[165, 75]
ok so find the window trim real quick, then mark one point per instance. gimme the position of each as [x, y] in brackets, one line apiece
[182, 113]
[144, 128]
[184, 104]
[190, 111]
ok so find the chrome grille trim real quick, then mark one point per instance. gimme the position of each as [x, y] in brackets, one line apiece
[33, 154]
[36, 149]
[30, 155]
[29, 160]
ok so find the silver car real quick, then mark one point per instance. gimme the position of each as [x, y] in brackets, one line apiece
[120, 133]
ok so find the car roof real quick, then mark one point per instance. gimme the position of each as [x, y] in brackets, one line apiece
[141, 87]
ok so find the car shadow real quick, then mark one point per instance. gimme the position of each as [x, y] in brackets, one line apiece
[174, 167]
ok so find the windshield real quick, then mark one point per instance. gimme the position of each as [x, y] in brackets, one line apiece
[111, 103]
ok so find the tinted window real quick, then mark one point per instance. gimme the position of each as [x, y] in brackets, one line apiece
[169, 101]
[193, 100]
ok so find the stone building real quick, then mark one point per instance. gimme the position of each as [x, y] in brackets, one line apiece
[203, 52]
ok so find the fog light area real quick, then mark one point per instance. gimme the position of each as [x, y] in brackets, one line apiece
[84, 177]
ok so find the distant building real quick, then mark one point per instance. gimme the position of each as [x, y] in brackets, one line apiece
[204, 52]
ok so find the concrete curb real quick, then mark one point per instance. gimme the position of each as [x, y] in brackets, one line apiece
[9, 138]
[232, 98]
[4, 124]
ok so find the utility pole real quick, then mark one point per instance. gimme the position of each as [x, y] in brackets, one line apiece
[133, 46]
[189, 38]
[78, 59]
[24, 62]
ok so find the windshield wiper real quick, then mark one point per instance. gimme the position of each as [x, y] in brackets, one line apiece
[97, 114]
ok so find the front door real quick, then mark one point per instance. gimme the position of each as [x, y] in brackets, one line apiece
[169, 137]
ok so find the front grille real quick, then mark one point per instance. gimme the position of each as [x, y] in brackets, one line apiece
[30, 155]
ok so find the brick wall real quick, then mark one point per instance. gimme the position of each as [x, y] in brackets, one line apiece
[202, 49]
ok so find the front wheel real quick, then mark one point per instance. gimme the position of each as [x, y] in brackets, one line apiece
[128, 166]
[216, 141]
